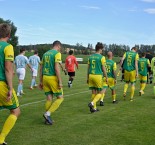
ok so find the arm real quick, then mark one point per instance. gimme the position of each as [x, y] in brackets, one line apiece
[9, 77]
[121, 62]
[76, 63]
[114, 72]
[136, 66]
[57, 71]
[105, 72]
[88, 73]
[30, 66]
[41, 76]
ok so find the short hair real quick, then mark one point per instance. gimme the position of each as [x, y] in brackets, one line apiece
[35, 51]
[143, 54]
[5, 30]
[134, 48]
[55, 43]
[22, 50]
[99, 46]
[70, 52]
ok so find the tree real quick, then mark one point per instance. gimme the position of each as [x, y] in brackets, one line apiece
[13, 38]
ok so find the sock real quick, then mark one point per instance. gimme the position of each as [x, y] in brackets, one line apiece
[19, 88]
[32, 82]
[22, 88]
[48, 105]
[102, 97]
[154, 90]
[71, 80]
[96, 98]
[125, 87]
[93, 96]
[114, 97]
[132, 91]
[55, 105]
[143, 86]
[8, 125]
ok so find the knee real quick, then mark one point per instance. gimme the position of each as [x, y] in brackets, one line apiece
[16, 112]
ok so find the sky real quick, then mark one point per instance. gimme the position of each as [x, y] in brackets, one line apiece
[126, 22]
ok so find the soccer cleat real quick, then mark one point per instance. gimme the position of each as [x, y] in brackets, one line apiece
[48, 118]
[150, 82]
[70, 85]
[35, 86]
[115, 102]
[101, 103]
[4, 143]
[91, 107]
[141, 93]
[18, 95]
[131, 100]
[95, 110]
[31, 88]
[22, 93]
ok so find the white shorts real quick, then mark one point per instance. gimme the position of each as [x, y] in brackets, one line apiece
[21, 73]
[35, 72]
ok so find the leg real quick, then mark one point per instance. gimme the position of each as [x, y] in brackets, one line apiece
[9, 124]
[20, 83]
[103, 92]
[132, 91]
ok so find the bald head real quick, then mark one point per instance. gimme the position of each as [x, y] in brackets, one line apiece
[110, 54]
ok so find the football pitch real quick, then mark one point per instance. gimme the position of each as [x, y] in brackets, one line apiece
[125, 123]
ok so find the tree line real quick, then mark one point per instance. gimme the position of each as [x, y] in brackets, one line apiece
[118, 50]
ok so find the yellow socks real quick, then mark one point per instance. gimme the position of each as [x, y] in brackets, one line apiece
[132, 91]
[48, 104]
[97, 97]
[55, 105]
[143, 86]
[114, 97]
[154, 90]
[93, 96]
[125, 87]
[102, 97]
[8, 125]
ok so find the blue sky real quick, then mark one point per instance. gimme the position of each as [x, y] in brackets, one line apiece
[85, 21]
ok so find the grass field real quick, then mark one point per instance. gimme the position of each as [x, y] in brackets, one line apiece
[125, 123]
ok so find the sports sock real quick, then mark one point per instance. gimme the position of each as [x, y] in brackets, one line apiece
[19, 88]
[143, 86]
[154, 90]
[55, 105]
[48, 104]
[114, 97]
[132, 91]
[8, 125]
[32, 82]
[102, 97]
[71, 80]
[93, 96]
[96, 98]
[125, 87]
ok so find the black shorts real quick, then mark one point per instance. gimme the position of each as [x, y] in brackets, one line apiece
[71, 74]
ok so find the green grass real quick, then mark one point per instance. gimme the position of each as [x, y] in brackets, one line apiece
[125, 123]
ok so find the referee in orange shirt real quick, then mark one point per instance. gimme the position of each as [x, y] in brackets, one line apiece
[70, 67]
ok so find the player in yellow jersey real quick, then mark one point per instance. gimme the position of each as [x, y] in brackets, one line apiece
[130, 66]
[50, 80]
[111, 73]
[96, 70]
[143, 65]
[8, 98]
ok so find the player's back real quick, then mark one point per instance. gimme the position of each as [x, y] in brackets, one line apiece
[3, 46]
[21, 61]
[95, 64]
[34, 61]
[48, 62]
[142, 66]
[110, 67]
[70, 63]
[129, 62]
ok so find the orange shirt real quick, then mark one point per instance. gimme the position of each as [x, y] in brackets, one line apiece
[70, 63]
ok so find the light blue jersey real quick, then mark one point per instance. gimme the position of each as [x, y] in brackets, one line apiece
[34, 61]
[21, 61]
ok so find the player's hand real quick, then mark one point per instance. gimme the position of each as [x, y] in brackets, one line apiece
[9, 95]
[41, 86]
[60, 85]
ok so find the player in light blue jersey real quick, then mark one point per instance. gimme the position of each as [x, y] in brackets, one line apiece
[21, 62]
[34, 61]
